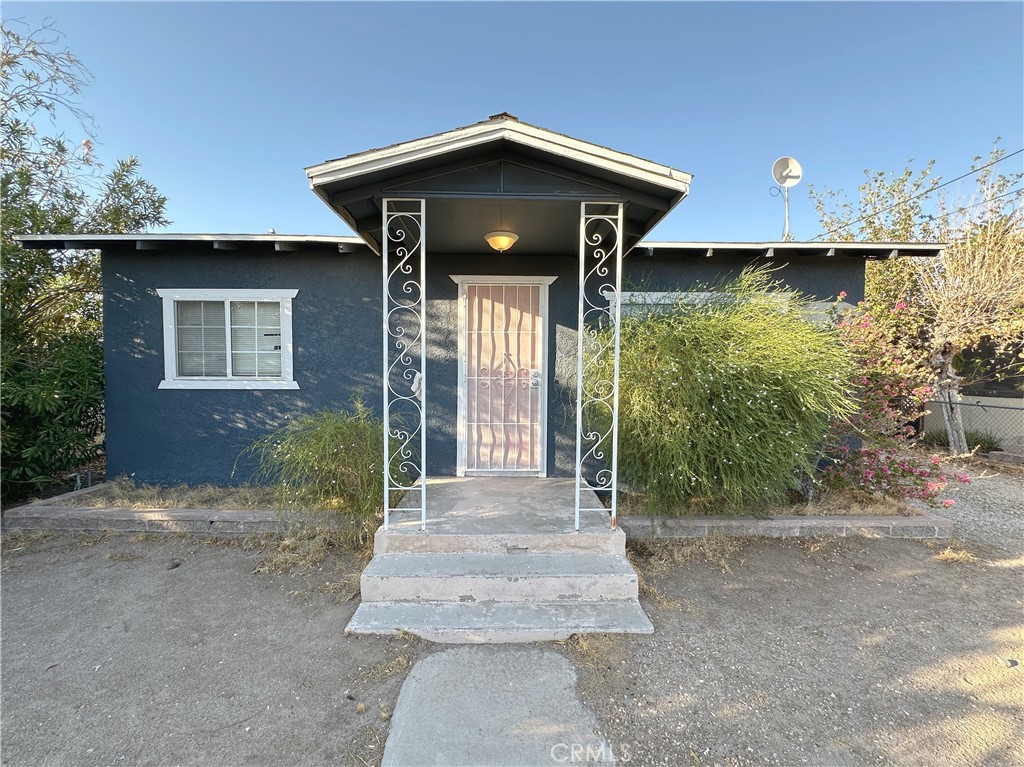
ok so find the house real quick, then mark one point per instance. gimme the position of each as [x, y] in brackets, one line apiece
[211, 340]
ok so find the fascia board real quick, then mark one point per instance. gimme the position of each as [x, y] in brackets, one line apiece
[526, 135]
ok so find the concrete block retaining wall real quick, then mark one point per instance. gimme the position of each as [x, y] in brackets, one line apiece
[924, 526]
[41, 516]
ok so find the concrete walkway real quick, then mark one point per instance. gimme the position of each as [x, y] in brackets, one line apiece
[484, 706]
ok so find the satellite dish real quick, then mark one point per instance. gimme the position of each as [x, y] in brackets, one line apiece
[787, 172]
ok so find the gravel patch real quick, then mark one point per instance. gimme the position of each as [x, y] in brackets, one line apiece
[989, 509]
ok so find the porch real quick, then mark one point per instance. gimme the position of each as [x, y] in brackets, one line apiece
[502, 209]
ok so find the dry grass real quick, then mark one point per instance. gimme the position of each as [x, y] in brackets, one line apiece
[298, 551]
[656, 556]
[850, 502]
[122, 493]
[124, 556]
[649, 590]
[832, 502]
[93, 539]
[591, 650]
[344, 590]
[955, 553]
[652, 558]
[402, 651]
[15, 541]
[370, 742]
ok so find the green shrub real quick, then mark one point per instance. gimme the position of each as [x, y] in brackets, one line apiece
[725, 404]
[328, 461]
[52, 413]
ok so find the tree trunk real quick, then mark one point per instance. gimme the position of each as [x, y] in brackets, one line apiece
[948, 386]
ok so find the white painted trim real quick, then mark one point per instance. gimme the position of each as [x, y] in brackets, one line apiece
[817, 312]
[227, 294]
[460, 415]
[463, 281]
[196, 237]
[225, 383]
[173, 381]
[500, 279]
[497, 130]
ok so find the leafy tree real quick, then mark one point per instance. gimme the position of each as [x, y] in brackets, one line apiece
[973, 295]
[51, 355]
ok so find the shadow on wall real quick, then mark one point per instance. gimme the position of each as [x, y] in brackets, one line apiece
[169, 436]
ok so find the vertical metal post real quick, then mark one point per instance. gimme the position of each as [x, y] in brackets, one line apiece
[597, 351]
[404, 257]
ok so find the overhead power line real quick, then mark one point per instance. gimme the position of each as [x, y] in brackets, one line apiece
[918, 196]
[933, 216]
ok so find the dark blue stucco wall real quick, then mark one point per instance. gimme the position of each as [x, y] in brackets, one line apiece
[166, 435]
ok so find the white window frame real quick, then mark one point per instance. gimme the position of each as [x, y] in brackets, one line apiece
[817, 311]
[173, 381]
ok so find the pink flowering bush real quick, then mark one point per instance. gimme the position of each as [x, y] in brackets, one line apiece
[893, 379]
[870, 450]
[886, 472]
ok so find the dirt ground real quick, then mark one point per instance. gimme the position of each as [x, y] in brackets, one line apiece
[119, 651]
[126, 651]
[848, 652]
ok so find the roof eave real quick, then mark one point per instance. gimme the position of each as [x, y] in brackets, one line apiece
[344, 244]
[868, 250]
[471, 136]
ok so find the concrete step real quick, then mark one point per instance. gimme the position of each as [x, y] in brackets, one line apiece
[500, 622]
[395, 541]
[470, 577]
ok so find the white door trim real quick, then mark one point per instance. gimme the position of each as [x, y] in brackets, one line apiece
[464, 280]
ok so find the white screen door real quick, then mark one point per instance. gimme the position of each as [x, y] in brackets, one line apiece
[502, 417]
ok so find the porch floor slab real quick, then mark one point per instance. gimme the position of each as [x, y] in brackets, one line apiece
[494, 505]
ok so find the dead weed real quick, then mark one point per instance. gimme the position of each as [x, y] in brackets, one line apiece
[93, 539]
[649, 590]
[304, 550]
[368, 746]
[344, 590]
[123, 493]
[400, 654]
[16, 541]
[956, 552]
[656, 556]
[850, 502]
[124, 556]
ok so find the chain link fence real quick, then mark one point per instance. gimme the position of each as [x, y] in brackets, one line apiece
[990, 424]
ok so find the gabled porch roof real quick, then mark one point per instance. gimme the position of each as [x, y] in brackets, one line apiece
[499, 159]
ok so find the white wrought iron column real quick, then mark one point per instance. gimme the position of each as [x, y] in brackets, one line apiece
[404, 255]
[597, 354]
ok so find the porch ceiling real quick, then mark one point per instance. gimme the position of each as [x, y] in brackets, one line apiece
[539, 176]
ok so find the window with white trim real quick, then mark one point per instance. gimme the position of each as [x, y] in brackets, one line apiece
[644, 302]
[227, 339]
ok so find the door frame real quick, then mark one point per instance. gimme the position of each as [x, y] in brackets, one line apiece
[543, 282]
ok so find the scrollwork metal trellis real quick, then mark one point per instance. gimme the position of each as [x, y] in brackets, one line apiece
[403, 253]
[597, 369]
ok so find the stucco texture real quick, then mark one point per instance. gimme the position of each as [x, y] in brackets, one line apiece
[167, 436]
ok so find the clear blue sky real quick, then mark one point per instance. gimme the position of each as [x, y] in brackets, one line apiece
[226, 103]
